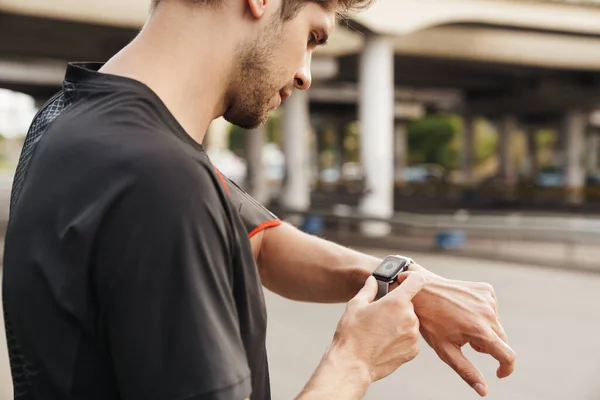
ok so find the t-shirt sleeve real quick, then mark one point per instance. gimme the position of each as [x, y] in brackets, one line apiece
[165, 285]
[255, 216]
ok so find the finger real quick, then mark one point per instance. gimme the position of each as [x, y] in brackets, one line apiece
[495, 302]
[501, 351]
[454, 357]
[500, 332]
[368, 292]
[411, 283]
[478, 349]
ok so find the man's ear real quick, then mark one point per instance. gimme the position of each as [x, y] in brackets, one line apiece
[258, 7]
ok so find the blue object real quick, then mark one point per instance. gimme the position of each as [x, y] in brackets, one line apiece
[450, 240]
[313, 225]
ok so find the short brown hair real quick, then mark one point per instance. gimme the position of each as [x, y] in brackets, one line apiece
[290, 8]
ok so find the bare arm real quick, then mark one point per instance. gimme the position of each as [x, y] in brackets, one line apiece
[452, 313]
[301, 267]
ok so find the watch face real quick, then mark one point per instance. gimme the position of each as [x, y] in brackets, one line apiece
[390, 268]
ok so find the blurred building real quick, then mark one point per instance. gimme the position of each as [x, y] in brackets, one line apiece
[523, 65]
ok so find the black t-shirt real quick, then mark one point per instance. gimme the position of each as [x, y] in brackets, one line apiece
[128, 271]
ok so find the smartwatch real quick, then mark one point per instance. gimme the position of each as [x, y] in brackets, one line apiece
[388, 271]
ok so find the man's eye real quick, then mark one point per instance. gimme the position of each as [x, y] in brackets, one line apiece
[312, 39]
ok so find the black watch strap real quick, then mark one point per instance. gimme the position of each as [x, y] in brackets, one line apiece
[382, 289]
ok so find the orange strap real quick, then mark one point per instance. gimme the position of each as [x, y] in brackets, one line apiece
[223, 181]
[263, 226]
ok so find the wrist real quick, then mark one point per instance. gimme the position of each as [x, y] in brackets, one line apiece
[340, 375]
[341, 355]
[365, 266]
[431, 282]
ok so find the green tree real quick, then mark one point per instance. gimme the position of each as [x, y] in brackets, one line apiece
[486, 140]
[432, 140]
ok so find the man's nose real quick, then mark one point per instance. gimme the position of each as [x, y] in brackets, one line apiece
[302, 79]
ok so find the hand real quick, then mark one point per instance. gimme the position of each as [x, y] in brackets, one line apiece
[454, 313]
[381, 335]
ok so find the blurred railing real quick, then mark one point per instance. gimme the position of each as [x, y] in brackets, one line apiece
[443, 197]
[561, 242]
[539, 228]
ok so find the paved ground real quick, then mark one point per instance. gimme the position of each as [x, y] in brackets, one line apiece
[552, 319]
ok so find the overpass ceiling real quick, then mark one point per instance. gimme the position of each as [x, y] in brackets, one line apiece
[480, 59]
[25, 36]
[526, 47]
[492, 88]
[125, 13]
[394, 17]
[419, 71]
[400, 17]
[481, 43]
[514, 31]
[35, 37]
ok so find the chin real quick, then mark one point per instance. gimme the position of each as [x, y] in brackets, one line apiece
[246, 121]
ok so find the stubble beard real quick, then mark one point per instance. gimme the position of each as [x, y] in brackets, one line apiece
[254, 88]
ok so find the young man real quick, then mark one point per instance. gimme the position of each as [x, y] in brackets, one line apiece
[134, 270]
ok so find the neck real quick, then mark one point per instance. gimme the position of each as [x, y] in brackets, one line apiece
[189, 73]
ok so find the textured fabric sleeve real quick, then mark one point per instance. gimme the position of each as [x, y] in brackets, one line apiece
[255, 216]
[165, 282]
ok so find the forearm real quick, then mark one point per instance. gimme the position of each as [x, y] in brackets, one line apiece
[302, 267]
[337, 377]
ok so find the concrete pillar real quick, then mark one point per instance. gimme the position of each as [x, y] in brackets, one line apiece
[376, 116]
[341, 139]
[296, 147]
[575, 127]
[256, 176]
[467, 150]
[560, 144]
[593, 145]
[217, 136]
[507, 166]
[532, 155]
[401, 150]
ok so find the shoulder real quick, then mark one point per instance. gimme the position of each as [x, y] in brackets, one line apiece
[131, 166]
[107, 149]
[170, 178]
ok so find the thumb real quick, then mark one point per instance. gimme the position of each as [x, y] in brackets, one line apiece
[411, 284]
[368, 292]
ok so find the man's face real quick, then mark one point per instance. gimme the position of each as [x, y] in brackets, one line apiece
[274, 62]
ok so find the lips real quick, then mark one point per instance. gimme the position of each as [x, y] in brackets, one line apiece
[284, 93]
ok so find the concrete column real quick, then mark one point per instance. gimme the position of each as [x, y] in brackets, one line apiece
[296, 147]
[560, 145]
[401, 150]
[341, 139]
[256, 176]
[217, 136]
[467, 150]
[593, 145]
[575, 127]
[376, 115]
[532, 155]
[507, 166]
